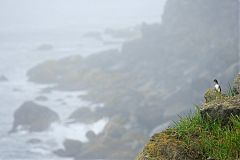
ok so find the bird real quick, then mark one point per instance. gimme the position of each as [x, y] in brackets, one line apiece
[217, 86]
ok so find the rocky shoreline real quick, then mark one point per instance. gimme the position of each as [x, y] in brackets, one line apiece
[152, 78]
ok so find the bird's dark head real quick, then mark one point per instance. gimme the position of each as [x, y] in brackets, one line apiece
[215, 81]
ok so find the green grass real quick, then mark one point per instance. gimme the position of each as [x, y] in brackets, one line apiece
[211, 139]
[231, 91]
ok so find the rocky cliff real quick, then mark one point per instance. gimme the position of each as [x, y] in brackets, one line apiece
[153, 78]
[213, 132]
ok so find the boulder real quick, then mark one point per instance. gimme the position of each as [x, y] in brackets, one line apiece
[71, 148]
[33, 117]
[91, 135]
[85, 115]
[221, 109]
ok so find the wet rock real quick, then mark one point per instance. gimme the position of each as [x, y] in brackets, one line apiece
[33, 117]
[71, 148]
[123, 143]
[91, 135]
[85, 115]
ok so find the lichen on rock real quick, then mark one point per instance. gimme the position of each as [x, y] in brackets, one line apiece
[164, 146]
[221, 109]
[181, 142]
[212, 95]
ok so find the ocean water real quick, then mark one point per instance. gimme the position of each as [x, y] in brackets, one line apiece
[17, 56]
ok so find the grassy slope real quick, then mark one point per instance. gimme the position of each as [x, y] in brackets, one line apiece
[194, 138]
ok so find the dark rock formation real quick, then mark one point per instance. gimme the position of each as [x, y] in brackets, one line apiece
[71, 148]
[91, 135]
[85, 115]
[33, 117]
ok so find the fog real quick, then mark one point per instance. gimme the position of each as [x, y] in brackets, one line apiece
[95, 79]
[30, 15]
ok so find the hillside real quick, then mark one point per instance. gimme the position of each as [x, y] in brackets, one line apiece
[213, 132]
[151, 79]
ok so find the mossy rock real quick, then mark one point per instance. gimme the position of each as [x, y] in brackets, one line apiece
[221, 109]
[212, 95]
[164, 146]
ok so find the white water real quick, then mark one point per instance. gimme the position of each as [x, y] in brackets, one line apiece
[16, 58]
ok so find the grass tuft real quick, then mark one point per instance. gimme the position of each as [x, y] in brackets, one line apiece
[231, 91]
[210, 137]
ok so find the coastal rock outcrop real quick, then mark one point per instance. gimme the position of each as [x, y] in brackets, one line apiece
[85, 115]
[221, 109]
[33, 117]
[217, 108]
[71, 148]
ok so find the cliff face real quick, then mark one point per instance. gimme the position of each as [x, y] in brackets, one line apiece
[153, 78]
[212, 133]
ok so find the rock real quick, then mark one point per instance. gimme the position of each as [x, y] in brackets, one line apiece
[123, 143]
[91, 135]
[84, 115]
[236, 83]
[41, 98]
[71, 148]
[211, 95]
[3, 78]
[33, 117]
[221, 109]
[164, 146]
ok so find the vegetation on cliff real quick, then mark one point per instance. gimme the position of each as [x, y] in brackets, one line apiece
[213, 132]
[194, 138]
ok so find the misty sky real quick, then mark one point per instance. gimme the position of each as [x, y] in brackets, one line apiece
[25, 15]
